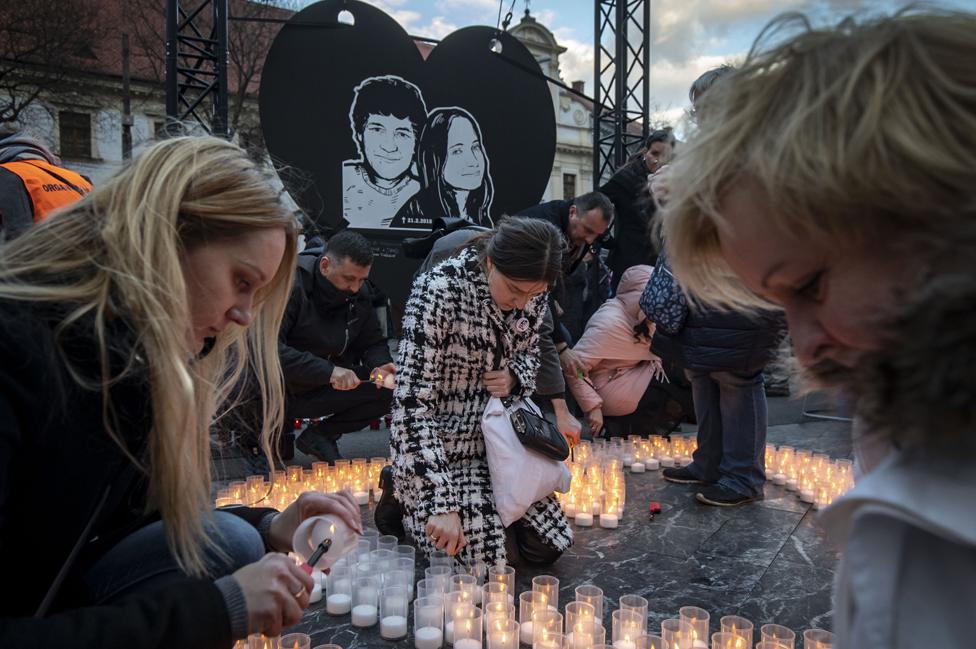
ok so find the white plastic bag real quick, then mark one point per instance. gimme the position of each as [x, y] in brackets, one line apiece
[519, 476]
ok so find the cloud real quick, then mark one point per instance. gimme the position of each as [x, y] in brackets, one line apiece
[478, 5]
[438, 27]
[407, 18]
[576, 63]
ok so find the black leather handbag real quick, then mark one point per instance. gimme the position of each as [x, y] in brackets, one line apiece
[534, 431]
[537, 433]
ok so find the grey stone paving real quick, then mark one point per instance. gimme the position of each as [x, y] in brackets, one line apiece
[767, 561]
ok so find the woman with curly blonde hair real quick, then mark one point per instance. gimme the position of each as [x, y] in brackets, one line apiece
[125, 321]
[834, 175]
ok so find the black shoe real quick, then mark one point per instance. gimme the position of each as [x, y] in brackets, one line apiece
[721, 497]
[680, 475]
[388, 514]
[319, 445]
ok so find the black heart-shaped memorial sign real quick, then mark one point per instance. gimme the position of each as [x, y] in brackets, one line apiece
[362, 128]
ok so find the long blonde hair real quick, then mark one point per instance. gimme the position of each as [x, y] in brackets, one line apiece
[117, 254]
[850, 134]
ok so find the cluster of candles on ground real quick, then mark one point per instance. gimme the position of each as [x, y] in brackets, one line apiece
[360, 476]
[814, 476]
[598, 491]
[474, 607]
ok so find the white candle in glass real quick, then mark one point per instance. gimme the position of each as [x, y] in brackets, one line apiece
[363, 615]
[338, 604]
[428, 637]
[503, 636]
[393, 627]
[609, 521]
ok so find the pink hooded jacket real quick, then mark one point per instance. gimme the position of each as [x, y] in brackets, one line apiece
[620, 367]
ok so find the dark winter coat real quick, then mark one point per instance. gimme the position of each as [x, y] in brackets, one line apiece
[633, 212]
[323, 328]
[722, 341]
[56, 462]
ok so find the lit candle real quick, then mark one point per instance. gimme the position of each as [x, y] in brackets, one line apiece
[502, 640]
[652, 464]
[608, 521]
[584, 519]
[428, 637]
[637, 467]
[666, 461]
[467, 643]
[364, 615]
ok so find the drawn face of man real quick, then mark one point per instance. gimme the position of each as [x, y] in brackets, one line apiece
[464, 167]
[388, 144]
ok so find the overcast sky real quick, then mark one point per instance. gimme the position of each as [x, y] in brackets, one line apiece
[688, 36]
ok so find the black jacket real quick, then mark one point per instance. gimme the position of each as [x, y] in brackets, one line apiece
[633, 211]
[323, 328]
[562, 294]
[56, 462]
[722, 341]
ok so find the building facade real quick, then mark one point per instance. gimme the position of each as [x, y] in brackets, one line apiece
[572, 168]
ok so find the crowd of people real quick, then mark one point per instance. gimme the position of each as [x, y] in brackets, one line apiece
[827, 187]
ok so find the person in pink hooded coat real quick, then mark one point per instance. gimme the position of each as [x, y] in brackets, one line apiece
[617, 354]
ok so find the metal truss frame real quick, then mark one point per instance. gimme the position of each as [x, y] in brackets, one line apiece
[621, 81]
[196, 65]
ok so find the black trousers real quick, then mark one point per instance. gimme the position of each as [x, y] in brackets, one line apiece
[523, 545]
[348, 410]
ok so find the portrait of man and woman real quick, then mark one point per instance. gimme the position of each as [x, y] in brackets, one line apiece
[414, 166]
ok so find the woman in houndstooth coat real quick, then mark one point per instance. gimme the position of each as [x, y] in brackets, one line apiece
[490, 297]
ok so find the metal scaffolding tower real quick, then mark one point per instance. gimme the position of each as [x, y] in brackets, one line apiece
[196, 64]
[621, 81]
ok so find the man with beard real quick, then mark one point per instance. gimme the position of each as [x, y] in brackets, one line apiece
[331, 344]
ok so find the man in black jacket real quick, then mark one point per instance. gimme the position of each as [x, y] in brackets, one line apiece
[331, 344]
[634, 207]
[583, 221]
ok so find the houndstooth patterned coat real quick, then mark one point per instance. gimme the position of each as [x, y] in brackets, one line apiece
[450, 329]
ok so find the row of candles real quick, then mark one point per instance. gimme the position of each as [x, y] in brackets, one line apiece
[360, 476]
[638, 454]
[814, 476]
[598, 489]
[469, 606]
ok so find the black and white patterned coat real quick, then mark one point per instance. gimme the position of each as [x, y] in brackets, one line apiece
[450, 330]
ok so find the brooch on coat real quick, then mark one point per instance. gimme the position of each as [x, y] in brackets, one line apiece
[522, 325]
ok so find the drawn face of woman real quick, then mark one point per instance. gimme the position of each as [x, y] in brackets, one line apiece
[464, 167]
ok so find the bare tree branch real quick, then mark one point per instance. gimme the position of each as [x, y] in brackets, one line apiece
[40, 42]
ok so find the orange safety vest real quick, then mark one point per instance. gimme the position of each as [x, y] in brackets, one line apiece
[48, 186]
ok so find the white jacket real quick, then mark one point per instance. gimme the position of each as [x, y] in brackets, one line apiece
[907, 575]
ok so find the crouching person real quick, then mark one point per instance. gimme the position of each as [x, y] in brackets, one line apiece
[489, 298]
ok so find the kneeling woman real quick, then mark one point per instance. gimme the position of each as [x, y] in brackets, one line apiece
[125, 322]
[490, 296]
